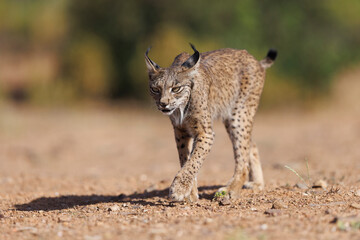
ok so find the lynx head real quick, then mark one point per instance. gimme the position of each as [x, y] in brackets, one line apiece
[171, 87]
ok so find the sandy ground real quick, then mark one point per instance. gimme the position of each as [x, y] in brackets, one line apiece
[103, 173]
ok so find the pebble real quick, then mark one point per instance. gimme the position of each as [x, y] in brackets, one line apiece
[278, 204]
[114, 208]
[273, 212]
[355, 205]
[263, 226]
[320, 184]
[208, 220]
[357, 193]
[64, 219]
[224, 202]
[301, 186]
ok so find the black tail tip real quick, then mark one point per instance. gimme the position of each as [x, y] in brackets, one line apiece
[272, 54]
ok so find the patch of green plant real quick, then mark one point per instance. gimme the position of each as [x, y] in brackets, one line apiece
[220, 194]
[345, 225]
[355, 225]
[341, 225]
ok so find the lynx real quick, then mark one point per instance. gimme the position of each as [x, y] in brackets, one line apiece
[194, 91]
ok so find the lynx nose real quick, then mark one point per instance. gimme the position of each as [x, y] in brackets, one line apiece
[163, 105]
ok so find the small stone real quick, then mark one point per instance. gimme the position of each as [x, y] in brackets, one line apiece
[327, 211]
[357, 193]
[114, 208]
[273, 212]
[278, 204]
[208, 220]
[301, 186]
[320, 184]
[355, 205]
[263, 226]
[224, 202]
[64, 219]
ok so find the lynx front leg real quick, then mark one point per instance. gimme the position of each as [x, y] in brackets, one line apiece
[186, 178]
[184, 145]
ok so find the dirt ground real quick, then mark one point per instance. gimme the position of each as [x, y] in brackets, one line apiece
[103, 173]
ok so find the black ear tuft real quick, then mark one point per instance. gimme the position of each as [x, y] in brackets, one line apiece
[151, 62]
[147, 51]
[193, 47]
[272, 54]
[193, 59]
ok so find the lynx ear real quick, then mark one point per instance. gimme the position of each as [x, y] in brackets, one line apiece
[191, 62]
[151, 66]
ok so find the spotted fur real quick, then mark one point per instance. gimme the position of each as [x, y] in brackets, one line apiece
[194, 91]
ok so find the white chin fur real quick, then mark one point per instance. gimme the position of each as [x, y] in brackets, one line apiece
[178, 116]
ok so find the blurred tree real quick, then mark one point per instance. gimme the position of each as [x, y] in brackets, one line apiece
[101, 43]
[311, 40]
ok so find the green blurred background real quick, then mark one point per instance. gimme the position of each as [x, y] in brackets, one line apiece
[58, 51]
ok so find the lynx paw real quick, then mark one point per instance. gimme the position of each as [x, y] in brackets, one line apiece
[194, 196]
[231, 191]
[179, 192]
[253, 185]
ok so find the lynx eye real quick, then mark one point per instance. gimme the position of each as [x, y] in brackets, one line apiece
[155, 90]
[176, 89]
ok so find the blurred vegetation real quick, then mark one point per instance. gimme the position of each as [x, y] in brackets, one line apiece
[61, 50]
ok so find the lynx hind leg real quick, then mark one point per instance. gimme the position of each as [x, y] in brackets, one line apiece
[256, 179]
[239, 128]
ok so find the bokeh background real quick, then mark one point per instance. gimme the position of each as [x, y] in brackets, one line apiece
[55, 52]
[80, 136]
